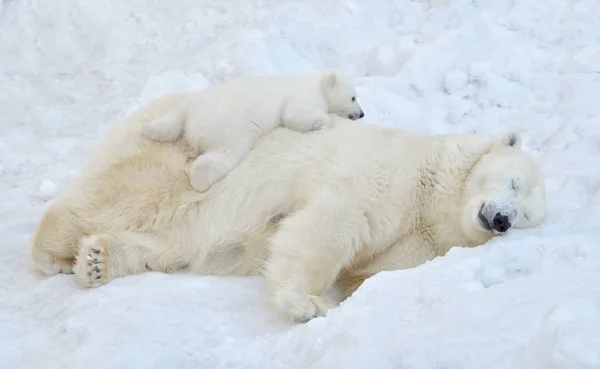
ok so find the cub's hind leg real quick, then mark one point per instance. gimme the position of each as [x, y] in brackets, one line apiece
[212, 166]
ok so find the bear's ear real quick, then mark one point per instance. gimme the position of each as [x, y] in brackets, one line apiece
[512, 139]
[330, 80]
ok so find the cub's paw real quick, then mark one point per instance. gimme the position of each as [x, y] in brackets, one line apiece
[318, 125]
[323, 122]
[90, 267]
[160, 130]
[301, 307]
[199, 175]
[152, 130]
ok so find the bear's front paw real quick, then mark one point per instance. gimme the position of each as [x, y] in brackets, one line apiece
[50, 266]
[301, 307]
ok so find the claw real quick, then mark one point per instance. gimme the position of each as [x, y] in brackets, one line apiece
[97, 251]
[89, 256]
[97, 267]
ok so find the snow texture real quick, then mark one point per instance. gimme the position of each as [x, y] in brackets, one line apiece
[70, 69]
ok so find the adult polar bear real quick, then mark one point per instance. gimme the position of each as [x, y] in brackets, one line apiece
[307, 210]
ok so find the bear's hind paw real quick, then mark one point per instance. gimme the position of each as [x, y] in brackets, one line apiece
[90, 267]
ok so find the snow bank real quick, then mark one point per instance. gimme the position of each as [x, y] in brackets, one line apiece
[70, 69]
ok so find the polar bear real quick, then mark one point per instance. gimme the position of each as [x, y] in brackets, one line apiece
[224, 122]
[307, 211]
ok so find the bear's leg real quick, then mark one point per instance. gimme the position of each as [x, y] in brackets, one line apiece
[103, 257]
[408, 252]
[167, 128]
[211, 166]
[309, 250]
[305, 120]
[54, 244]
[51, 265]
[349, 281]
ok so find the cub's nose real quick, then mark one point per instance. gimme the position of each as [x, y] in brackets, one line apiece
[356, 116]
[501, 223]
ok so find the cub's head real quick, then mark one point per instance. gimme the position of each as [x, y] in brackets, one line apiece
[340, 95]
[504, 190]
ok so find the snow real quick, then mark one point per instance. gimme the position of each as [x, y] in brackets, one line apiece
[70, 69]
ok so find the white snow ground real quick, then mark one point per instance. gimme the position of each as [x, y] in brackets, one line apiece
[69, 69]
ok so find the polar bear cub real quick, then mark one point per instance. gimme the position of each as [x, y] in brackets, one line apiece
[223, 123]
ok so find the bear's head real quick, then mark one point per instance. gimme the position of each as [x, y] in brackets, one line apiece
[505, 189]
[340, 95]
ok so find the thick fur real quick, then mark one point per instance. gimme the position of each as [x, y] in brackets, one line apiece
[223, 123]
[306, 210]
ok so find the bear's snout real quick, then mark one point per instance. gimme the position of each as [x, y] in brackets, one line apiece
[494, 220]
[501, 223]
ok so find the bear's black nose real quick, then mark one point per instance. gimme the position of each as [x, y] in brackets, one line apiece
[501, 223]
[362, 114]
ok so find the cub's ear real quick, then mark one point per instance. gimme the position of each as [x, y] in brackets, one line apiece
[512, 139]
[329, 80]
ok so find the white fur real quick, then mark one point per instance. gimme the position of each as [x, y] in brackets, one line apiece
[307, 211]
[226, 121]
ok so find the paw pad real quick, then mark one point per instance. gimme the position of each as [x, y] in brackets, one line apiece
[91, 265]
